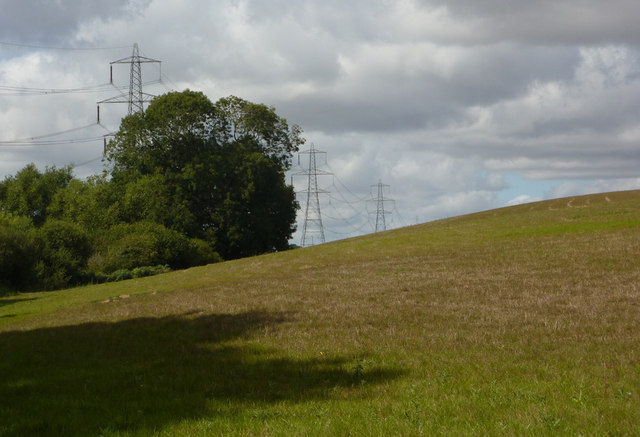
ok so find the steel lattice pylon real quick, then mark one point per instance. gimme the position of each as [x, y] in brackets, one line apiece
[381, 213]
[135, 98]
[312, 225]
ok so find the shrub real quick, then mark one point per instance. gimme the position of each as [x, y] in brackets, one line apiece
[201, 253]
[136, 245]
[65, 250]
[141, 272]
[19, 253]
[121, 275]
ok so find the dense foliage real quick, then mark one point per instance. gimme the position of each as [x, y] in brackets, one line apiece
[188, 182]
[210, 171]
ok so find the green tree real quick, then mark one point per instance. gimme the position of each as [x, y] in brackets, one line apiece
[256, 212]
[94, 204]
[30, 192]
[242, 120]
[151, 198]
[210, 171]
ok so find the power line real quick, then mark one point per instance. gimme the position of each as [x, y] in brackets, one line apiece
[136, 98]
[162, 76]
[20, 91]
[35, 140]
[6, 90]
[344, 200]
[360, 199]
[356, 229]
[53, 142]
[43, 47]
[402, 220]
[82, 164]
[172, 83]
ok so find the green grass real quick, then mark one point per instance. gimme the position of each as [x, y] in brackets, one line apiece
[518, 321]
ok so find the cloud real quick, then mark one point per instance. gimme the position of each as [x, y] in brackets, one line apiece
[576, 188]
[54, 22]
[523, 198]
[545, 22]
[438, 99]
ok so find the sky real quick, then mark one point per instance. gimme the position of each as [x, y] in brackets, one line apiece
[454, 106]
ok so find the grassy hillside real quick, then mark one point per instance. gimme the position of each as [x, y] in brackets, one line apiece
[518, 321]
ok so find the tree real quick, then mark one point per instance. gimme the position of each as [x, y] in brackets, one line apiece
[94, 204]
[30, 192]
[210, 171]
[150, 198]
[256, 212]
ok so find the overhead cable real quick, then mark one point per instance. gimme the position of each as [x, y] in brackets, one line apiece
[54, 134]
[52, 142]
[6, 90]
[43, 47]
[360, 199]
[40, 140]
[87, 162]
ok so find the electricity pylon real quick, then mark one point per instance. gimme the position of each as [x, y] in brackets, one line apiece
[135, 98]
[312, 225]
[381, 213]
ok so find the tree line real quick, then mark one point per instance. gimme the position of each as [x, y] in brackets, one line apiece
[188, 182]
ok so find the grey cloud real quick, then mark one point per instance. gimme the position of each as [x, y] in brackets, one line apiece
[53, 22]
[493, 73]
[581, 22]
[440, 99]
[356, 20]
[323, 113]
[395, 99]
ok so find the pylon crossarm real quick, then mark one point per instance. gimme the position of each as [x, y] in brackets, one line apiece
[139, 59]
[148, 98]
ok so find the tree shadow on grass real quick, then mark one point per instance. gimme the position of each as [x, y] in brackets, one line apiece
[141, 375]
[9, 300]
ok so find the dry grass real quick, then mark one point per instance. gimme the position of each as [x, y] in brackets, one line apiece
[523, 320]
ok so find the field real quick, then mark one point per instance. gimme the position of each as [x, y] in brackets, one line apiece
[518, 321]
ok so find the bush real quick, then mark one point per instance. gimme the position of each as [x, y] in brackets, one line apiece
[19, 253]
[6, 291]
[201, 253]
[65, 250]
[136, 245]
[121, 275]
[127, 246]
[141, 272]
[124, 274]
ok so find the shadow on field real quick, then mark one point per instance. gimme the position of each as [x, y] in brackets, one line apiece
[10, 301]
[143, 374]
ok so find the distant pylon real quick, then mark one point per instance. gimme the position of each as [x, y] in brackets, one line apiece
[312, 225]
[135, 98]
[381, 213]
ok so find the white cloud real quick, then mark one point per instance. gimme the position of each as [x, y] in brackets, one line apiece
[523, 198]
[439, 99]
[599, 186]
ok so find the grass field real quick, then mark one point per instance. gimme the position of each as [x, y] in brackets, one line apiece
[518, 321]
